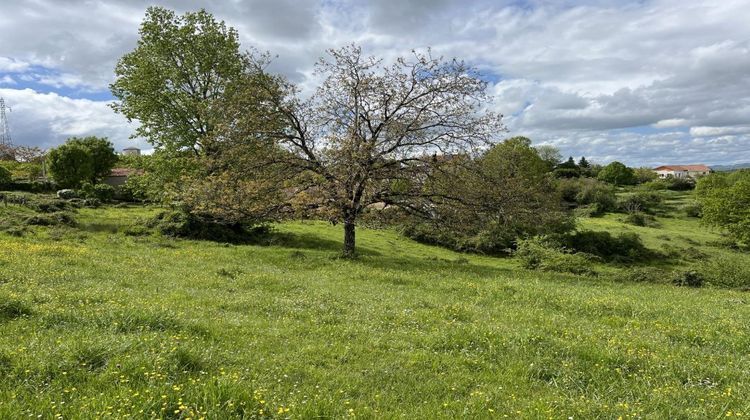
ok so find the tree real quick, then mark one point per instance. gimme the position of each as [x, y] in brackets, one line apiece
[29, 154]
[371, 133]
[568, 169]
[583, 163]
[170, 81]
[71, 164]
[485, 204]
[103, 157]
[644, 174]
[617, 173]
[725, 202]
[550, 154]
[7, 152]
[86, 159]
[5, 177]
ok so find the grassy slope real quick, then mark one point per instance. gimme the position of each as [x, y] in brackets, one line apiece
[101, 324]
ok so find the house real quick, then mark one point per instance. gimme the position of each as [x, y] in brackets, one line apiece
[682, 171]
[131, 151]
[118, 176]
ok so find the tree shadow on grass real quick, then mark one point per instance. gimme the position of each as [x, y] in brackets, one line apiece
[430, 264]
[307, 241]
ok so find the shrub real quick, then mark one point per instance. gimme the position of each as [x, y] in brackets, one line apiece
[67, 194]
[692, 210]
[655, 185]
[642, 275]
[541, 253]
[91, 202]
[180, 224]
[687, 278]
[645, 201]
[101, 192]
[680, 184]
[636, 219]
[625, 247]
[5, 177]
[104, 192]
[53, 219]
[601, 196]
[726, 271]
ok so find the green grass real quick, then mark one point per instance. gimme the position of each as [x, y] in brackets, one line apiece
[94, 323]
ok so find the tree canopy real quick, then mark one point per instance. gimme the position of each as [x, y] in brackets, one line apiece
[170, 81]
[70, 165]
[371, 126]
[725, 202]
[617, 173]
[87, 159]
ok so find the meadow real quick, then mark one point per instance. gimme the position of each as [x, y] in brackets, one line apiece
[97, 323]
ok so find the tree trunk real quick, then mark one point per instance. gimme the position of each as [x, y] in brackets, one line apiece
[349, 240]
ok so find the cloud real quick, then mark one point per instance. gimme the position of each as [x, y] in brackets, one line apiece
[718, 131]
[11, 65]
[634, 81]
[47, 119]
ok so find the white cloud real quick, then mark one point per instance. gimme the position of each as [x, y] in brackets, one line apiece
[580, 74]
[47, 119]
[11, 65]
[718, 131]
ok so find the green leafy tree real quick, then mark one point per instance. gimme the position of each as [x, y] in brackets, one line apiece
[550, 155]
[617, 173]
[102, 152]
[5, 177]
[170, 82]
[568, 169]
[643, 175]
[583, 163]
[71, 164]
[486, 204]
[725, 202]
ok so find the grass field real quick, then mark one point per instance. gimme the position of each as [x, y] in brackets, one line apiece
[94, 323]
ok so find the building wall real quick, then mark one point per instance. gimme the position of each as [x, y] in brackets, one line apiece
[115, 181]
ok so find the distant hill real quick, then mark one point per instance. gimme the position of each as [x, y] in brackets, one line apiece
[733, 167]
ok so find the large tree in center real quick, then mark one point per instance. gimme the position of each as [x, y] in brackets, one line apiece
[372, 133]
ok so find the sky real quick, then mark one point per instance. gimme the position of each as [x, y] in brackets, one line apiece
[642, 82]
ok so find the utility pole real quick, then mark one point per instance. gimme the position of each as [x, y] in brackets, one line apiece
[5, 139]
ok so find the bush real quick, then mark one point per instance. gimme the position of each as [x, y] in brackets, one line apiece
[180, 224]
[588, 192]
[625, 247]
[104, 192]
[67, 194]
[655, 185]
[601, 196]
[54, 219]
[5, 177]
[645, 201]
[541, 253]
[680, 184]
[729, 271]
[693, 210]
[642, 275]
[687, 278]
[636, 219]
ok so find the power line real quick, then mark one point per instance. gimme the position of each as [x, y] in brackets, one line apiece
[5, 139]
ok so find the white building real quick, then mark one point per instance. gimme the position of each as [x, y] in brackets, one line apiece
[682, 171]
